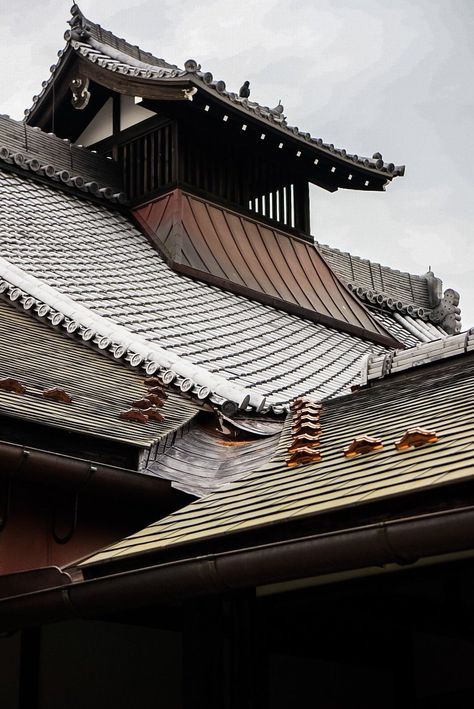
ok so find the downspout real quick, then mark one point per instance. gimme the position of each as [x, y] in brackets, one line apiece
[401, 541]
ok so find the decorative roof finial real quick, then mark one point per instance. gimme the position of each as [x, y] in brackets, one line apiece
[245, 90]
[278, 108]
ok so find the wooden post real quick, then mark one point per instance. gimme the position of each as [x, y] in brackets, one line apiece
[301, 195]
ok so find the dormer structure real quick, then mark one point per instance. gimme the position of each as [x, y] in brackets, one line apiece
[170, 127]
[218, 183]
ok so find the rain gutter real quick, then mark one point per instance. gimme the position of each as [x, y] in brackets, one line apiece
[401, 541]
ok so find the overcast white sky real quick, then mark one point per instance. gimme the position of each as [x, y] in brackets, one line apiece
[393, 76]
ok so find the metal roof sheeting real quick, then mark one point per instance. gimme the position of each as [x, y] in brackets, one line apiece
[259, 261]
[201, 460]
[440, 399]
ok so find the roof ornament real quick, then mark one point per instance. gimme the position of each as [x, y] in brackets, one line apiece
[12, 385]
[80, 93]
[244, 91]
[79, 29]
[415, 437]
[361, 445]
[192, 66]
[447, 313]
[189, 93]
[305, 432]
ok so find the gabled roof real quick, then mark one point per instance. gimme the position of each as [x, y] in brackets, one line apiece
[439, 399]
[221, 246]
[112, 62]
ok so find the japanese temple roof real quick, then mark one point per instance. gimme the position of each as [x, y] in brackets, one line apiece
[438, 398]
[113, 60]
[39, 357]
[188, 447]
[221, 246]
[95, 255]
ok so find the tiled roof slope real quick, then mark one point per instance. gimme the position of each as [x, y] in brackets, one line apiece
[106, 51]
[364, 273]
[440, 399]
[419, 297]
[40, 358]
[96, 256]
[106, 335]
[39, 153]
[409, 330]
[236, 252]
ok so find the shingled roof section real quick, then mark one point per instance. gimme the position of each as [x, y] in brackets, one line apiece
[41, 358]
[439, 399]
[45, 156]
[113, 55]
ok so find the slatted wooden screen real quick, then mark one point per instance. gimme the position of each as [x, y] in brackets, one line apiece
[148, 161]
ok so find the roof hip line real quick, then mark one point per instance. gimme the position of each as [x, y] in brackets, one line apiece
[121, 342]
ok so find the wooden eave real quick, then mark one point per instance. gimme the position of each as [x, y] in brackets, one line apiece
[332, 171]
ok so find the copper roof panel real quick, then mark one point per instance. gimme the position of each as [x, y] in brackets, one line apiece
[239, 253]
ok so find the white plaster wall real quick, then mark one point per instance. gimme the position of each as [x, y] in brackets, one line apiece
[100, 127]
[131, 113]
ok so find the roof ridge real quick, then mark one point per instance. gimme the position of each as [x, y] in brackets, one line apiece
[23, 157]
[364, 259]
[62, 311]
[82, 24]
[375, 367]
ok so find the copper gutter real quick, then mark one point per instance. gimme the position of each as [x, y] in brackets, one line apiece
[24, 464]
[401, 541]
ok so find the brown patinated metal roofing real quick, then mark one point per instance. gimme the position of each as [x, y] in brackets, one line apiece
[243, 255]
